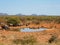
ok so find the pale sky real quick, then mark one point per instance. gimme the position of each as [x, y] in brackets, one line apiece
[47, 7]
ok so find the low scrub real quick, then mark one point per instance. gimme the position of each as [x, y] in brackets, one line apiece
[52, 39]
[27, 40]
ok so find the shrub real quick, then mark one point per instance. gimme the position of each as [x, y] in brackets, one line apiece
[52, 39]
[14, 21]
[27, 40]
[58, 20]
[35, 21]
[17, 41]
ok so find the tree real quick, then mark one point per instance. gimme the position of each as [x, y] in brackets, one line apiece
[14, 21]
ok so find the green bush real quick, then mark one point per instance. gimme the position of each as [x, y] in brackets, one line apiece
[14, 21]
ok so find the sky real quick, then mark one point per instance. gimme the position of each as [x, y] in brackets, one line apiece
[27, 7]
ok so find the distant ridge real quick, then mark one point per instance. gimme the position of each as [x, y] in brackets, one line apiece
[3, 14]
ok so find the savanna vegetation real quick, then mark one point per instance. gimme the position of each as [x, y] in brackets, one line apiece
[12, 36]
[29, 20]
[25, 19]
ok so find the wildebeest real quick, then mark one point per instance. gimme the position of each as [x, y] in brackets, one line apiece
[4, 27]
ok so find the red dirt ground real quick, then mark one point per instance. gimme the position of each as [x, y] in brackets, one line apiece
[7, 36]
